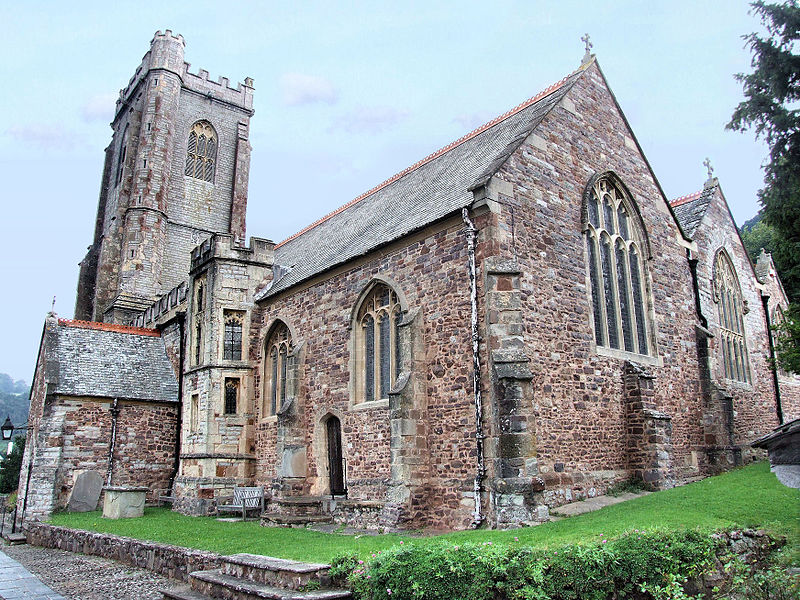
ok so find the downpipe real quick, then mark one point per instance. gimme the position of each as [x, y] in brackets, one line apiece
[470, 233]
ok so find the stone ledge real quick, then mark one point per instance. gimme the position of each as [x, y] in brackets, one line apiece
[258, 561]
[172, 561]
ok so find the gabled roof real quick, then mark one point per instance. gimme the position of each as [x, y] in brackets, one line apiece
[110, 361]
[425, 192]
[690, 210]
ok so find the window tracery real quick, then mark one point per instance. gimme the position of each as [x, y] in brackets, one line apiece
[201, 152]
[232, 337]
[377, 344]
[731, 309]
[278, 350]
[615, 242]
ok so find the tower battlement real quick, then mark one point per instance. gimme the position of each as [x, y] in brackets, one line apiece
[167, 53]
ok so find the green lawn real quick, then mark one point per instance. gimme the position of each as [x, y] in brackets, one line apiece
[747, 497]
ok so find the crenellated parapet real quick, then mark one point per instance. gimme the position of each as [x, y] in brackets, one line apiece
[167, 54]
[223, 246]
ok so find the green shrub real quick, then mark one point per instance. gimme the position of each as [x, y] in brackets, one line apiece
[627, 566]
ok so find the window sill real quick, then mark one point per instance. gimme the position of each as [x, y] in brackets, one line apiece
[374, 404]
[642, 359]
[268, 419]
[739, 385]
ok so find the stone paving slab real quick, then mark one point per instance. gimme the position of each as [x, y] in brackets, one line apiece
[82, 577]
[592, 504]
[17, 582]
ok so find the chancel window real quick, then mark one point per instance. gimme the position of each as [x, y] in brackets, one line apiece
[730, 309]
[615, 247]
[276, 369]
[231, 395]
[377, 344]
[201, 152]
[232, 342]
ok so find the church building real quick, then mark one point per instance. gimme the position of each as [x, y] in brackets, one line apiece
[519, 320]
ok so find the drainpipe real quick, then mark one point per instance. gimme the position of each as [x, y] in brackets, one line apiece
[113, 442]
[179, 425]
[773, 365]
[477, 517]
[696, 288]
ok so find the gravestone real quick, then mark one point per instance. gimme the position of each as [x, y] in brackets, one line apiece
[85, 492]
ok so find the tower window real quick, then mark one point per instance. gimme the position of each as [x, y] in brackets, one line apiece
[232, 343]
[614, 241]
[201, 152]
[231, 395]
[123, 153]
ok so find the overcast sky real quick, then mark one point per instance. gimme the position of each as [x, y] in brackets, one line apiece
[345, 97]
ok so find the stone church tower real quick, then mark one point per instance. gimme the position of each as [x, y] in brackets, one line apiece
[175, 173]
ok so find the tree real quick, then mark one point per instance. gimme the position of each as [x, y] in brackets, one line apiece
[771, 93]
[756, 234]
[10, 466]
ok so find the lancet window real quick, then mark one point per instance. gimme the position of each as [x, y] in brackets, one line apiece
[615, 244]
[201, 152]
[377, 344]
[730, 309]
[278, 352]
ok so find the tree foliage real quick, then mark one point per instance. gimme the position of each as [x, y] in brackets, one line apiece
[787, 340]
[772, 92]
[10, 466]
[756, 234]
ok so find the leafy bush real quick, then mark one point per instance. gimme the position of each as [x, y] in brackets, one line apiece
[621, 568]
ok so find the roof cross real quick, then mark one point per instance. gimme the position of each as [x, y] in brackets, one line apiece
[588, 55]
[53, 306]
[707, 165]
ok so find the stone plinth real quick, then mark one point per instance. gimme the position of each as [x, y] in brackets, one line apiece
[123, 502]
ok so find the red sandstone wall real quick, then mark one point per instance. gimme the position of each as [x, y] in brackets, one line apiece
[145, 444]
[753, 403]
[578, 393]
[431, 271]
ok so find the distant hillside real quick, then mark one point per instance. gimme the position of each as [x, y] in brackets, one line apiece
[14, 400]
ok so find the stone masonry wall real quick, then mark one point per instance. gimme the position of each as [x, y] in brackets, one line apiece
[578, 392]
[75, 435]
[174, 562]
[752, 404]
[431, 271]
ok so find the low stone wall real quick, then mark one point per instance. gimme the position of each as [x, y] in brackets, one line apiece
[171, 561]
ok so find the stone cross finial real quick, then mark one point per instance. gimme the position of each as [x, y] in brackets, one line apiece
[588, 55]
[707, 165]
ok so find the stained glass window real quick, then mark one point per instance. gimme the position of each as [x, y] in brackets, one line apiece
[277, 370]
[377, 344]
[614, 239]
[730, 309]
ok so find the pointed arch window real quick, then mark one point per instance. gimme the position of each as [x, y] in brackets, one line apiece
[123, 154]
[232, 336]
[377, 345]
[278, 353]
[615, 240]
[201, 152]
[730, 310]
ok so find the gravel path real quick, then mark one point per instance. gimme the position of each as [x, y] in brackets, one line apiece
[80, 577]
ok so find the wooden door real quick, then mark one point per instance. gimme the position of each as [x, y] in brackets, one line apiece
[335, 468]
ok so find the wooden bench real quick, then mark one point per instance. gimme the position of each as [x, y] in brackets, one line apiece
[244, 499]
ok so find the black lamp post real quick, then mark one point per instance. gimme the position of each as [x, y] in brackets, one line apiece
[7, 429]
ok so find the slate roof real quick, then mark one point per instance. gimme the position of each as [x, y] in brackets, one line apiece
[111, 361]
[425, 192]
[690, 210]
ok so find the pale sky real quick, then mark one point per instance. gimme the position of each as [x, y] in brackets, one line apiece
[347, 94]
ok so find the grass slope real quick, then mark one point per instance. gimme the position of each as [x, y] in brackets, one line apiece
[747, 497]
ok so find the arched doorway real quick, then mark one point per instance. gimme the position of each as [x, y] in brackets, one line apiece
[333, 429]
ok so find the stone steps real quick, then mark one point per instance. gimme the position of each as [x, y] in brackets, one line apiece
[215, 584]
[255, 577]
[284, 520]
